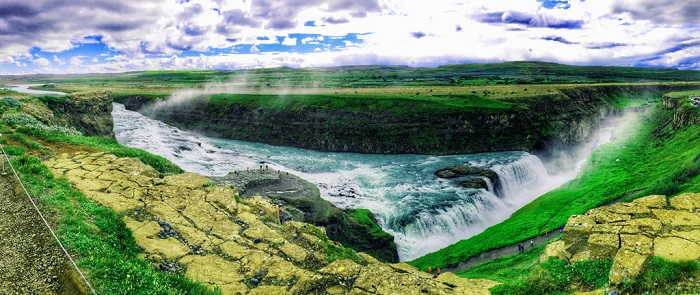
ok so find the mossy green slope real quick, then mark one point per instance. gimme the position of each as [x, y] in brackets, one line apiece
[649, 157]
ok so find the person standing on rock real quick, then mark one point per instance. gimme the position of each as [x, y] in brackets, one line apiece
[561, 228]
[430, 269]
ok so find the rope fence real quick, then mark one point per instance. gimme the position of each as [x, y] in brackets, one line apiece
[42, 216]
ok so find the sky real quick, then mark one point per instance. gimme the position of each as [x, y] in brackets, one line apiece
[88, 36]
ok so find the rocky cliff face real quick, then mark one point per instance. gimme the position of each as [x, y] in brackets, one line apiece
[207, 233]
[87, 112]
[684, 114]
[630, 232]
[301, 200]
[542, 124]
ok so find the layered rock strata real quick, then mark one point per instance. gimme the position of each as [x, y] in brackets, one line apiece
[628, 233]
[187, 225]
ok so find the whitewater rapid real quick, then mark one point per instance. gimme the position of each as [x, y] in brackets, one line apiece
[423, 212]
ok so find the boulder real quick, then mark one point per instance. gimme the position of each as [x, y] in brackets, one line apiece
[628, 208]
[581, 256]
[636, 243]
[688, 202]
[650, 227]
[676, 249]
[626, 266]
[602, 215]
[554, 249]
[607, 228]
[678, 220]
[693, 235]
[603, 246]
[653, 201]
[578, 229]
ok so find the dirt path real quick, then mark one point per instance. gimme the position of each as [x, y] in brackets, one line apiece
[30, 260]
[500, 252]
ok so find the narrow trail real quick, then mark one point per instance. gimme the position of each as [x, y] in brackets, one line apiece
[30, 260]
[500, 252]
[513, 249]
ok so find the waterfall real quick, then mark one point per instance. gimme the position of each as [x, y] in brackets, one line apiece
[489, 184]
[423, 212]
[521, 176]
[428, 229]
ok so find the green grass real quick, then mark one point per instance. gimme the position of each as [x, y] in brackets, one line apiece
[106, 250]
[637, 163]
[557, 276]
[354, 103]
[623, 102]
[664, 276]
[159, 163]
[365, 218]
[507, 268]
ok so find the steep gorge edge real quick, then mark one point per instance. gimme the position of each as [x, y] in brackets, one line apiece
[544, 125]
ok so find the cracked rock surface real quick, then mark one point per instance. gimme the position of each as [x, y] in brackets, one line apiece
[630, 232]
[186, 225]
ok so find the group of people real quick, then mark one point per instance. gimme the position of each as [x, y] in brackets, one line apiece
[521, 246]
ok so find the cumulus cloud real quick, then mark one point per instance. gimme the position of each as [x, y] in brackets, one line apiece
[660, 11]
[289, 41]
[419, 33]
[42, 62]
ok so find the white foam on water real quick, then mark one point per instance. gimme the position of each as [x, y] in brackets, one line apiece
[423, 212]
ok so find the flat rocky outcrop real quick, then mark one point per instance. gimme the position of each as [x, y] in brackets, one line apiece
[187, 225]
[628, 233]
[301, 200]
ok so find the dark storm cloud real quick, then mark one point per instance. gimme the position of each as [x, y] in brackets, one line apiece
[534, 20]
[178, 46]
[119, 26]
[192, 30]
[283, 14]
[52, 25]
[660, 11]
[17, 9]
